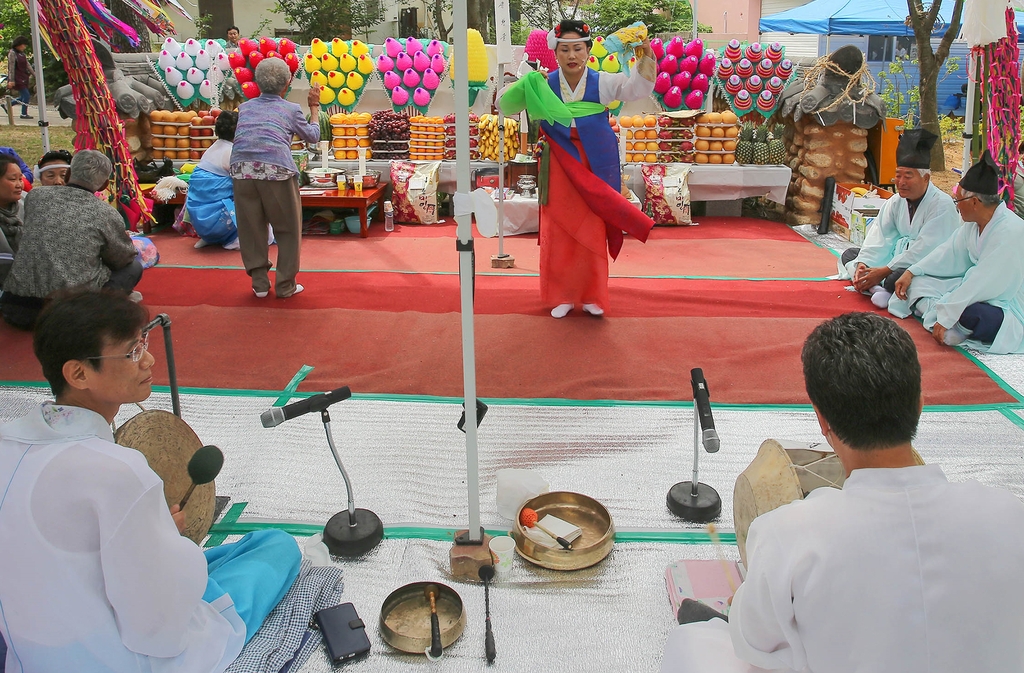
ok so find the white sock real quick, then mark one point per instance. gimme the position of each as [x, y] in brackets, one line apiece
[261, 295]
[876, 289]
[233, 245]
[201, 244]
[593, 309]
[881, 299]
[298, 289]
[956, 335]
[561, 310]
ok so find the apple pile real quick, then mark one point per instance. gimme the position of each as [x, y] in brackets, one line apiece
[449, 136]
[250, 53]
[182, 135]
[684, 73]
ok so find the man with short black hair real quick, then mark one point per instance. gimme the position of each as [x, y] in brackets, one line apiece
[971, 288]
[69, 238]
[232, 37]
[95, 573]
[895, 572]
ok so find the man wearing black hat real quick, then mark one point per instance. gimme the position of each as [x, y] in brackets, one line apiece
[908, 226]
[971, 288]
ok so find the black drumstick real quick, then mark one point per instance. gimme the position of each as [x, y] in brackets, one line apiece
[487, 574]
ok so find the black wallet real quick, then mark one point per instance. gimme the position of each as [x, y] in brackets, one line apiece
[343, 631]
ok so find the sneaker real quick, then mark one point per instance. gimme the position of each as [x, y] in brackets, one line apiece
[561, 310]
[135, 296]
[27, 117]
[260, 295]
[593, 309]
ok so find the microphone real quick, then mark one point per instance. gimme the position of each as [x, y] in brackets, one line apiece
[203, 467]
[278, 415]
[709, 437]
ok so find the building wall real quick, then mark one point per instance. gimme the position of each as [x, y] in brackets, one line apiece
[729, 19]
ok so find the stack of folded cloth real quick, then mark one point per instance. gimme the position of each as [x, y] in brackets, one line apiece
[558, 527]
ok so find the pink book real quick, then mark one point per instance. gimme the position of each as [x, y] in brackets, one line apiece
[705, 581]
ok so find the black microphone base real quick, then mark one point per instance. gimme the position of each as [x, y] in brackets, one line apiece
[344, 539]
[700, 508]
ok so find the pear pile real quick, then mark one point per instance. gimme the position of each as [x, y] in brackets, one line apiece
[489, 137]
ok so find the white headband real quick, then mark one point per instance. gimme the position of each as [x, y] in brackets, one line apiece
[553, 41]
[39, 171]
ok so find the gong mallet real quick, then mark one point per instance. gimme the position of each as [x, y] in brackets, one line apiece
[203, 467]
[529, 519]
[487, 574]
[431, 591]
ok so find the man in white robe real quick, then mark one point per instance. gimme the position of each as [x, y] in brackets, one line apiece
[94, 573]
[908, 226]
[971, 288]
[900, 570]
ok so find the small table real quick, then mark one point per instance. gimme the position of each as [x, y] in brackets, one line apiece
[348, 198]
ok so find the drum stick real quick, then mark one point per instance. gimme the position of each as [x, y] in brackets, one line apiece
[713, 533]
[203, 467]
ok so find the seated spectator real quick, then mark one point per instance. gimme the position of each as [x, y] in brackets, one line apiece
[70, 239]
[25, 170]
[96, 574]
[11, 212]
[52, 169]
[210, 203]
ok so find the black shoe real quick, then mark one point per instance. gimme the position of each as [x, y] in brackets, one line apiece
[27, 117]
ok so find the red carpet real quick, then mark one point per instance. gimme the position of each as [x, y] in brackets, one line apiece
[401, 334]
[720, 248]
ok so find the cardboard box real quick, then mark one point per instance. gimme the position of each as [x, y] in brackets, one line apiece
[845, 203]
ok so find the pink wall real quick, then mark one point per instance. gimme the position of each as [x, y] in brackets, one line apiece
[740, 23]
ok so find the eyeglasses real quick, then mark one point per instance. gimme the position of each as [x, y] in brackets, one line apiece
[134, 354]
[956, 201]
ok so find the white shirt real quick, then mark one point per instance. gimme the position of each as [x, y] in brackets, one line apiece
[93, 573]
[613, 86]
[217, 158]
[901, 571]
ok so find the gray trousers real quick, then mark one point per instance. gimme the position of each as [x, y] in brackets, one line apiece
[274, 202]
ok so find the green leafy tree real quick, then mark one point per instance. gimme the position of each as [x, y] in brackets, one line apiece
[327, 19]
[661, 16]
[923, 21]
[901, 91]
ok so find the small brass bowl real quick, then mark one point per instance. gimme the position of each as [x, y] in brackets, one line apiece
[405, 617]
[581, 510]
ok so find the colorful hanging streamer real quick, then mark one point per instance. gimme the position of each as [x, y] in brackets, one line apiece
[1001, 89]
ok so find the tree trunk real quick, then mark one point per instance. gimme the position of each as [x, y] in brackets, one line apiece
[473, 18]
[929, 103]
[442, 31]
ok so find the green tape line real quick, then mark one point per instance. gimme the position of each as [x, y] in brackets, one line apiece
[289, 390]
[234, 527]
[230, 517]
[542, 401]
[992, 375]
[1014, 418]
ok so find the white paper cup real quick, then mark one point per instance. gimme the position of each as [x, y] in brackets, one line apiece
[502, 550]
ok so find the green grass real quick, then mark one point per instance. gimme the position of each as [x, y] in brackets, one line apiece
[27, 141]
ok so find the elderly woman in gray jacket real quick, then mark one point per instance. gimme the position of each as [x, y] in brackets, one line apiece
[265, 178]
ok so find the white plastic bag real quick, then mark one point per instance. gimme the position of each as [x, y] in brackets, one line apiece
[516, 487]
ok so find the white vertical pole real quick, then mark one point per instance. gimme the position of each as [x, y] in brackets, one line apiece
[503, 38]
[466, 258]
[37, 54]
[972, 73]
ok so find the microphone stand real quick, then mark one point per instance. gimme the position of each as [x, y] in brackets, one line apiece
[693, 500]
[350, 532]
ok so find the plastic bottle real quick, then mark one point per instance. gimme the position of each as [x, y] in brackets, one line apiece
[389, 217]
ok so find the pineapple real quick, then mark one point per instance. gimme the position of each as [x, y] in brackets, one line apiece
[777, 145]
[760, 145]
[744, 146]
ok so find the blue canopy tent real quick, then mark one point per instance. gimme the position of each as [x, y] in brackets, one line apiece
[854, 17]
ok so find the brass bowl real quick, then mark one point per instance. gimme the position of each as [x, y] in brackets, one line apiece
[589, 549]
[405, 617]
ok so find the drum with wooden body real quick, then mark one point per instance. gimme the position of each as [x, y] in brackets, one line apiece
[168, 443]
[783, 471]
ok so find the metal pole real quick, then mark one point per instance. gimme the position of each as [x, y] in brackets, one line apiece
[693, 10]
[501, 168]
[972, 72]
[326, 418]
[465, 247]
[696, 450]
[37, 53]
